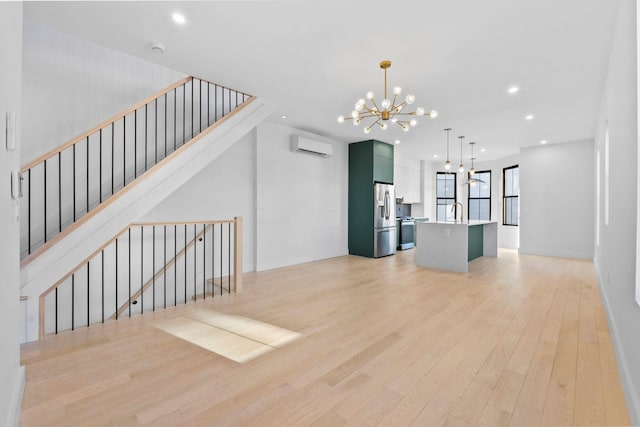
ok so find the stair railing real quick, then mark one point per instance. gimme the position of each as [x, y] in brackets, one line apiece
[66, 183]
[146, 267]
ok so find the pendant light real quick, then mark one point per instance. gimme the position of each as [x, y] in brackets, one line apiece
[447, 164]
[461, 167]
[472, 171]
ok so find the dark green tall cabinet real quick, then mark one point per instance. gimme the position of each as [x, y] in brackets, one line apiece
[369, 162]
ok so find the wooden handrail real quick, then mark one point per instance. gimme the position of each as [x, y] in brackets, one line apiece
[85, 218]
[168, 265]
[102, 125]
[238, 248]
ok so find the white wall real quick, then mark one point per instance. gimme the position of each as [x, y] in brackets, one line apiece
[615, 256]
[11, 375]
[301, 200]
[294, 205]
[87, 83]
[225, 189]
[556, 200]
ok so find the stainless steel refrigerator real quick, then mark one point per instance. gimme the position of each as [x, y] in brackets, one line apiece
[384, 240]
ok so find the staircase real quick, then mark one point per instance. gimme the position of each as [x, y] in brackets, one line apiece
[85, 192]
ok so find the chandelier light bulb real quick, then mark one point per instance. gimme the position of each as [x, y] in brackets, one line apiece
[472, 171]
[461, 168]
[447, 165]
[472, 183]
[387, 108]
[433, 114]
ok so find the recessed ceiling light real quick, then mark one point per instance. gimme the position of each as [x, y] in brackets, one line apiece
[529, 117]
[283, 116]
[397, 141]
[482, 150]
[513, 89]
[435, 156]
[544, 141]
[178, 18]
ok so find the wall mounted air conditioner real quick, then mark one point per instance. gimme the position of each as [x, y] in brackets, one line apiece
[303, 144]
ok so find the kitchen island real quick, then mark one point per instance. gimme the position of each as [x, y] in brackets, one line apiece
[452, 245]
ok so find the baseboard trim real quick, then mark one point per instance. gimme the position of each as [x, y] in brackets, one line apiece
[16, 400]
[631, 397]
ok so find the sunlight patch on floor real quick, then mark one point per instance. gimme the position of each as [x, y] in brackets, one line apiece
[237, 338]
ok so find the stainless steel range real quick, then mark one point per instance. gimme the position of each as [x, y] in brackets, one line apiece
[407, 233]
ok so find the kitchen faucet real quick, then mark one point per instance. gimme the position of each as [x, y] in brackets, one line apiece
[453, 207]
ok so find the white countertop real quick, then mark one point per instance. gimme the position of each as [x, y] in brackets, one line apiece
[468, 223]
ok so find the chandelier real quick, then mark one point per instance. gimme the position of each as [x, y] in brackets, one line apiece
[389, 109]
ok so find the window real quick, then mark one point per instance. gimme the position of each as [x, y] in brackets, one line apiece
[445, 196]
[511, 191]
[480, 197]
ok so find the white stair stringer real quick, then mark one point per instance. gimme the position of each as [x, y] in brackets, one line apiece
[137, 199]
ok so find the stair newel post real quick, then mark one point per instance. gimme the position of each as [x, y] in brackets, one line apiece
[237, 254]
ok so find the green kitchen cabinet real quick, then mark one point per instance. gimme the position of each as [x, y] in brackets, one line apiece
[369, 162]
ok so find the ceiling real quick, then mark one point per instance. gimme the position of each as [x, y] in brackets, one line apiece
[316, 58]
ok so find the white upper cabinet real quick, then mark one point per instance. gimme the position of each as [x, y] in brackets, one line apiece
[406, 179]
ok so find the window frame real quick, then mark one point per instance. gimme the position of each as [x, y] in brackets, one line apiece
[505, 197]
[469, 198]
[455, 194]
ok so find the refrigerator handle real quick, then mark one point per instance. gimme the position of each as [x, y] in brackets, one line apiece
[386, 205]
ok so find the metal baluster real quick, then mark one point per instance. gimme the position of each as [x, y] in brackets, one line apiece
[195, 262]
[73, 169]
[164, 268]
[229, 93]
[73, 302]
[100, 181]
[184, 112]
[124, 152]
[175, 265]
[117, 279]
[87, 167]
[88, 299]
[229, 257]
[135, 144]
[192, 114]
[141, 269]
[185, 263]
[44, 176]
[155, 133]
[213, 259]
[102, 283]
[175, 120]
[129, 271]
[154, 268]
[146, 148]
[221, 269]
[223, 102]
[56, 310]
[165, 125]
[29, 213]
[204, 261]
[59, 192]
[113, 155]
[200, 103]
[215, 103]
[208, 106]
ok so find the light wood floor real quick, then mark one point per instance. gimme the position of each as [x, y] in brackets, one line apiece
[520, 340]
